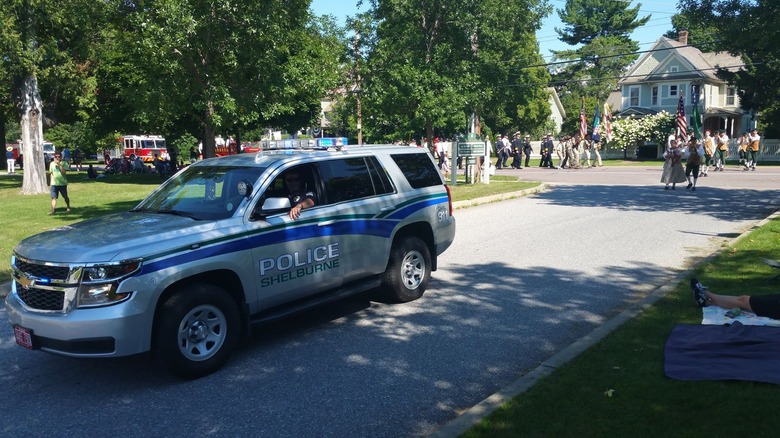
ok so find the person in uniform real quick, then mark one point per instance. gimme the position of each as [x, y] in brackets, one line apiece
[300, 196]
[568, 155]
[742, 151]
[754, 143]
[695, 152]
[527, 149]
[707, 145]
[722, 150]
[517, 151]
[596, 146]
[547, 149]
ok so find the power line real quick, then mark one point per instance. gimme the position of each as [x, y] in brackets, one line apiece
[568, 81]
[704, 35]
[618, 55]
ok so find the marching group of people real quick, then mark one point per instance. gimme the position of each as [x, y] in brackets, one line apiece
[572, 151]
[701, 156]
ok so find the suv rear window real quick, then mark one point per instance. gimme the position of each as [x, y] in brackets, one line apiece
[354, 178]
[418, 169]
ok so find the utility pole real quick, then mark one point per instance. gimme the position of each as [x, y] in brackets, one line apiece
[358, 89]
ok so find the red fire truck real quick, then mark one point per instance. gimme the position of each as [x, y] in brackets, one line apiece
[48, 151]
[144, 146]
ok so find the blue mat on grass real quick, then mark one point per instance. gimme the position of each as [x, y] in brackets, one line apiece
[723, 352]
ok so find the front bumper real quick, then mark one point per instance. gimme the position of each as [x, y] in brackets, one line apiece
[119, 330]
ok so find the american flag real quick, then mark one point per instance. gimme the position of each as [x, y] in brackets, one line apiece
[682, 123]
[583, 121]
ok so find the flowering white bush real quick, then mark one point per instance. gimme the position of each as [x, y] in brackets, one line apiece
[630, 131]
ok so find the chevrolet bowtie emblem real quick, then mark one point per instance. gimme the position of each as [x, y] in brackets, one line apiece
[26, 281]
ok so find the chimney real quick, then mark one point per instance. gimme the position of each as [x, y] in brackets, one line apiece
[682, 37]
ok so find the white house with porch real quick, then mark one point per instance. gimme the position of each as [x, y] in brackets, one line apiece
[670, 69]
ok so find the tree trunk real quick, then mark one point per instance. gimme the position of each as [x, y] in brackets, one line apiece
[429, 135]
[209, 149]
[3, 133]
[31, 115]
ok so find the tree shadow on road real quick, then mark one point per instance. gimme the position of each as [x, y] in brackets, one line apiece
[723, 204]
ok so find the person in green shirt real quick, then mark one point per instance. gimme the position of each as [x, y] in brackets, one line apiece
[59, 183]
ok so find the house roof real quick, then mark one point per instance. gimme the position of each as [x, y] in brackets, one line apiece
[615, 100]
[557, 101]
[696, 65]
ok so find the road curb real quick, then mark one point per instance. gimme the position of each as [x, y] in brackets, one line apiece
[475, 414]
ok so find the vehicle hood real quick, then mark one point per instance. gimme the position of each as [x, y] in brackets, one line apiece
[113, 237]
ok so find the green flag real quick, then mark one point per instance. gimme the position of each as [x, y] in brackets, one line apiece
[695, 115]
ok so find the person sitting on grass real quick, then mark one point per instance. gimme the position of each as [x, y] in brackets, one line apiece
[761, 305]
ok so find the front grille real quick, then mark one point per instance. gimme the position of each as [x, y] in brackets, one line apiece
[41, 299]
[43, 271]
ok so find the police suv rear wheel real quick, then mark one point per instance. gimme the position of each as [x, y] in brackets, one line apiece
[408, 270]
[198, 327]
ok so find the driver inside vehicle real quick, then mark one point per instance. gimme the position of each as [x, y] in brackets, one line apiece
[300, 196]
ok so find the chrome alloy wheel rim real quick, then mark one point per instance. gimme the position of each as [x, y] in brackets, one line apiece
[413, 270]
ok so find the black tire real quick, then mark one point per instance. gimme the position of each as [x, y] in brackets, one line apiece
[197, 329]
[408, 270]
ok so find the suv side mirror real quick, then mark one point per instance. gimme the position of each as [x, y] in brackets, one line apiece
[271, 206]
[275, 204]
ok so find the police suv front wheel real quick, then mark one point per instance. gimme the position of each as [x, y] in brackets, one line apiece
[408, 270]
[197, 329]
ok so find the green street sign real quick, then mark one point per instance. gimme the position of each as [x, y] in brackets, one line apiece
[468, 149]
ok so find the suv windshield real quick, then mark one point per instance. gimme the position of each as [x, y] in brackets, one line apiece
[203, 192]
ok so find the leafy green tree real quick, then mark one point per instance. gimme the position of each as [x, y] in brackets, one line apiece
[600, 30]
[750, 29]
[702, 36]
[432, 64]
[221, 63]
[47, 70]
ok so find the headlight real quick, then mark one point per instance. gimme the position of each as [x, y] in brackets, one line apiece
[91, 295]
[105, 272]
[100, 283]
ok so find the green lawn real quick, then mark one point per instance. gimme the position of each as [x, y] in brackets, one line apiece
[25, 215]
[618, 387]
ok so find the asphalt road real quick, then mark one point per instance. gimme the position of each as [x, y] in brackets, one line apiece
[525, 278]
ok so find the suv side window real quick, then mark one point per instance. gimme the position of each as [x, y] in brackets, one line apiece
[418, 169]
[353, 178]
[382, 183]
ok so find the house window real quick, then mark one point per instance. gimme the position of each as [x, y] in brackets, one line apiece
[731, 92]
[654, 96]
[672, 90]
[673, 69]
[633, 96]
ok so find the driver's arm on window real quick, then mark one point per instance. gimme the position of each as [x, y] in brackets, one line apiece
[295, 211]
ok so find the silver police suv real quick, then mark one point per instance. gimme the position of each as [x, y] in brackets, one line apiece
[215, 250]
